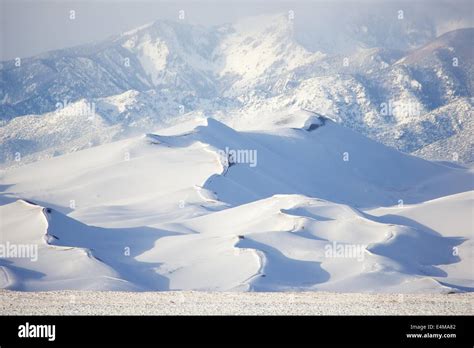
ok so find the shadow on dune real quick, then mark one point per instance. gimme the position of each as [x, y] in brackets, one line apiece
[419, 248]
[280, 273]
[116, 247]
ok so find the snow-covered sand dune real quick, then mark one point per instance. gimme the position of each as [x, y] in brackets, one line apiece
[201, 206]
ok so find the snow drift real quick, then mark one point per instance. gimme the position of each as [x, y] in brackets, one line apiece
[323, 208]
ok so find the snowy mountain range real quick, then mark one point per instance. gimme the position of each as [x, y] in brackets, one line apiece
[245, 157]
[396, 83]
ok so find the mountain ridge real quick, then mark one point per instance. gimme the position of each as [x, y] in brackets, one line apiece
[240, 69]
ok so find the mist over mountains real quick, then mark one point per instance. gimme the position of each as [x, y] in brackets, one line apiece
[391, 79]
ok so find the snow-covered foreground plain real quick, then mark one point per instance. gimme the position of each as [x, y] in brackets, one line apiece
[310, 206]
[231, 303]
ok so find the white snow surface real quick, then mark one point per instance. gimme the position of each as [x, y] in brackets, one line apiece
[72, 302]
[320, 208]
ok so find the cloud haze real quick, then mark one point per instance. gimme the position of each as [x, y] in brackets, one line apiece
[29, 28]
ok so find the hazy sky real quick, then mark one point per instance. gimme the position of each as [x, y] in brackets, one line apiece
[29, 27]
